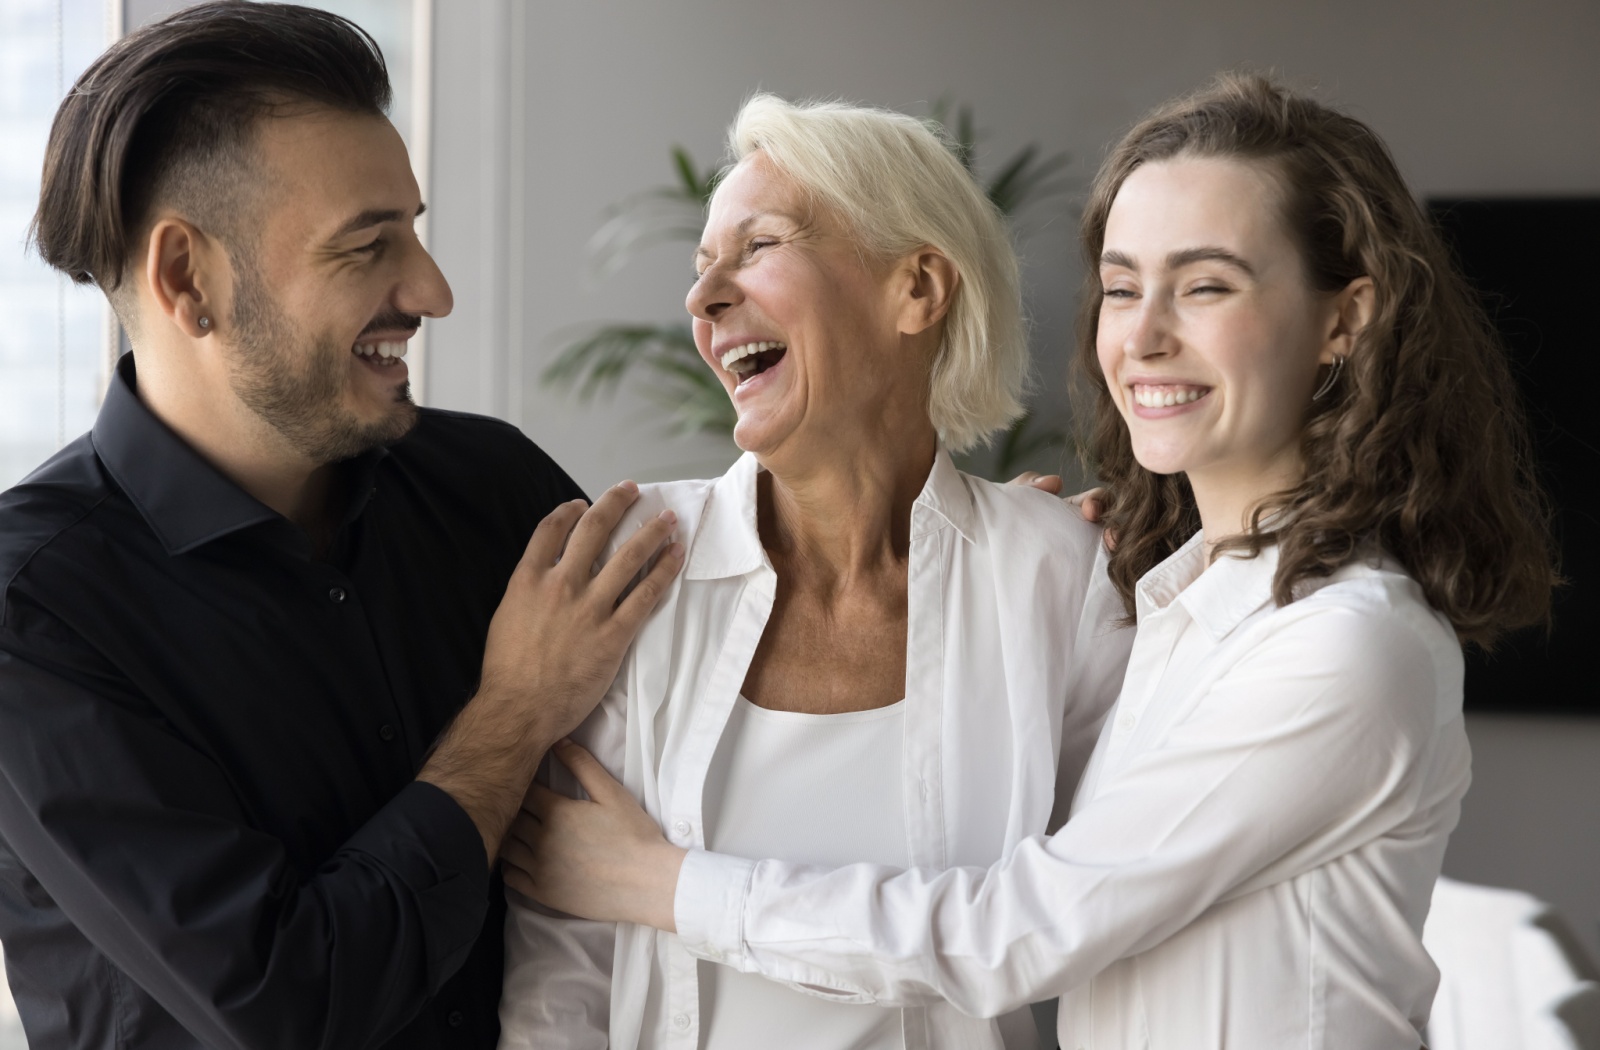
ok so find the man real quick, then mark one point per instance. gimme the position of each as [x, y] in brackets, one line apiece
[236, 617]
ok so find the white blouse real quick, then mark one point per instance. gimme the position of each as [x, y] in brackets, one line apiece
[1011, 664]
[824, 789]
[1248, 862]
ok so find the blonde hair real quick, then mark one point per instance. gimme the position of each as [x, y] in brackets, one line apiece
[899, 186]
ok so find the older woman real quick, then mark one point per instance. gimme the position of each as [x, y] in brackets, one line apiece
[868, 655]
[1320, 491]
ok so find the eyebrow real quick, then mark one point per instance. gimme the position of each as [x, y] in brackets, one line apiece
[374, 217]
[1179, 259]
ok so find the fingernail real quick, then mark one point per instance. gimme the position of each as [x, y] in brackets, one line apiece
[668, 517]
[565, 741]
[627, 486]
[675, 550]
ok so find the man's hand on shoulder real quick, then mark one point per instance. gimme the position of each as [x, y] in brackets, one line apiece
[554, 646]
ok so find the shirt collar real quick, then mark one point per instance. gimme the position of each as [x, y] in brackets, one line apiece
[185, 500]
[728, 542]
[1218, 596]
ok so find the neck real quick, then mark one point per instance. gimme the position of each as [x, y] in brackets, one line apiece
[245, 448]
[849, 515]
[1226, 500]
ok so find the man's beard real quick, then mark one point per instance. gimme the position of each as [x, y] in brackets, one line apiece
[305, 406]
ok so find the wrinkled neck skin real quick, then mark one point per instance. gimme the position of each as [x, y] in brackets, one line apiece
[843, 511]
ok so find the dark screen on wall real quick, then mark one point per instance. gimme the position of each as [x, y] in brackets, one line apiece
[1537, 265]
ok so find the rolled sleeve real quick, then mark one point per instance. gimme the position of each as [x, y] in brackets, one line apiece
[432, 846]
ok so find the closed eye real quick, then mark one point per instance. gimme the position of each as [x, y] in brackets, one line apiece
[372, 247]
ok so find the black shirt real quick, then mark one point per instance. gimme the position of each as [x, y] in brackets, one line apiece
[210, 834]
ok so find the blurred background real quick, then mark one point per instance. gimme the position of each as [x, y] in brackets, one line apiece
[539, 132]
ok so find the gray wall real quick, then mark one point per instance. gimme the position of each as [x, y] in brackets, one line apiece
[546, 113]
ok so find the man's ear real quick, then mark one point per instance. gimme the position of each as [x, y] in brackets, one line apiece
[928, 280]
[184, 271]
[1354, 305]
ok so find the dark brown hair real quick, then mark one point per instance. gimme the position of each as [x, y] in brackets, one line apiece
[168, 115]
[1420, 448]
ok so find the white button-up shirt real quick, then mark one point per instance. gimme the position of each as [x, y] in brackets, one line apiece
[1248, 862]
[1012, 660]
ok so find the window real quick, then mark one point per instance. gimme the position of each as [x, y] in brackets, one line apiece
[55, 337]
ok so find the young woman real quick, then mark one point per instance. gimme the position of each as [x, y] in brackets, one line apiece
[1320, 491]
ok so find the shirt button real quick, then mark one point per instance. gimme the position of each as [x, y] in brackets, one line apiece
[386, 733]
[1126, 721]
[337, 594]
[681, 827]
[713, 954]
[456, 1019]
[681, 1021]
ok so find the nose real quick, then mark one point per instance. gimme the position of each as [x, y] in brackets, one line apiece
[423, 290]
[1149, 332]
[711, 296]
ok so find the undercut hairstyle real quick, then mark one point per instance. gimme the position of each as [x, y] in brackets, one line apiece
[1420, 448]
[897, 184]
[167, 117]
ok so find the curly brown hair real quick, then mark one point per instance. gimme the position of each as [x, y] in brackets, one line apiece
[1420, 447]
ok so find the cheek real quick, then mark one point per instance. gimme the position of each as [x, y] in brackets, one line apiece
[1106, 344]
[702, 340]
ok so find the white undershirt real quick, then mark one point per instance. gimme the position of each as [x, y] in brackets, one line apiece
[822, 789]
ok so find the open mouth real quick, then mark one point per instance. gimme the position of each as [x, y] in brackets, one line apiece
[752, 359]
[1167, 395]
[380, 355]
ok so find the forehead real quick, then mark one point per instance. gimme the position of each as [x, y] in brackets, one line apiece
[325, 166]
[1187, 202]
[755, 186]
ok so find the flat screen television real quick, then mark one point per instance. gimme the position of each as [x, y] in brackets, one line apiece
[1536, 262]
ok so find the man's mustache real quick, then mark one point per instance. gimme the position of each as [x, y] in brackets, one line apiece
[393, 320]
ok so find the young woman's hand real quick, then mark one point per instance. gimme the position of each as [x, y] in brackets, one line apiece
[1090, 504]
[602, 859]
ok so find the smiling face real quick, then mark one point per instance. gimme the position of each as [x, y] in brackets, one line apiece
[1210, 333]
[804, 333]
[331, 285]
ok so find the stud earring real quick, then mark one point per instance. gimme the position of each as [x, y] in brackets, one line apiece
[1334, 368]
[205, 322]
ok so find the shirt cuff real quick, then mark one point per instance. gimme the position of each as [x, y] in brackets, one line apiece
[709, 906]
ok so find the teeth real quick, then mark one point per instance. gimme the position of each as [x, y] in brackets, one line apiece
[1166, 397]
[740, 353]
[381, 351]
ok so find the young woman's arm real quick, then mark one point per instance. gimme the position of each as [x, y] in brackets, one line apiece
[1342, 726]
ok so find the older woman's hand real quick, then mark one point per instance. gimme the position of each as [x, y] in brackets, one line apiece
[602, 859]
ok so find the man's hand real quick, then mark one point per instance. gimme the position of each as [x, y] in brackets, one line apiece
[600, 859]
[554, 645]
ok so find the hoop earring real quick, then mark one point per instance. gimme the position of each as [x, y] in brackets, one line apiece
[1333, 377]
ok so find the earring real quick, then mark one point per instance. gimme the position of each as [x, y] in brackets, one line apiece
[205, 322]
[1334, 369]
